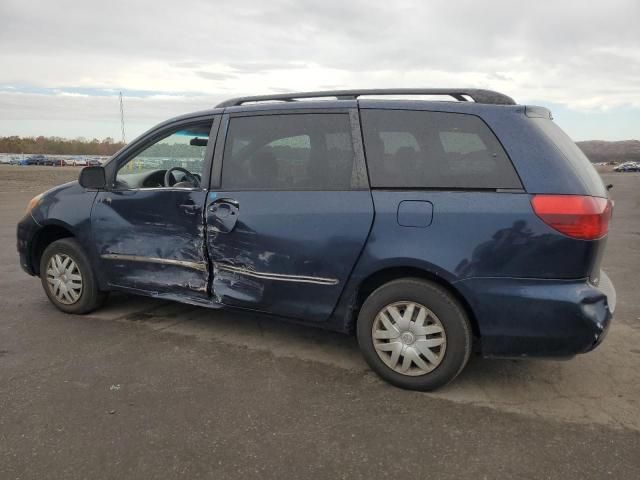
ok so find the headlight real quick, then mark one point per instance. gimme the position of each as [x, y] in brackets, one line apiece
[33, 203]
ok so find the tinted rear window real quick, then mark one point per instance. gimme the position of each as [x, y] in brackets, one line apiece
[414, 149]
[289, 152]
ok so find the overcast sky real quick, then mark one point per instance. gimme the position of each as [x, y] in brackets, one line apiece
[63, 62]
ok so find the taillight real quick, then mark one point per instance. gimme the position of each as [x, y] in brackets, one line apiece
[577, 216]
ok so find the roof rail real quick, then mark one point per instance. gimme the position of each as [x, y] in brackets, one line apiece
[460, 94]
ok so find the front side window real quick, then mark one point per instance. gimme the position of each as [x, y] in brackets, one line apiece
[418, 149]
[289, 152]
[175, 161]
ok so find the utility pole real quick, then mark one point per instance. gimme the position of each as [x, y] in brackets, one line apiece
[122, 119]
[124, 141]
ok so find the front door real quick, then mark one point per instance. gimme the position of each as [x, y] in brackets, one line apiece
[148, 228]
[292, 213]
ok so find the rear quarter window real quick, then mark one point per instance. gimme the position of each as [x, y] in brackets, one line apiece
[416, 149]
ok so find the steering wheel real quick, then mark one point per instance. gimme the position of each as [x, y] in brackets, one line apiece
[188, 176]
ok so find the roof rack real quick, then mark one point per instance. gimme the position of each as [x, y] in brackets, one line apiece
[460, 94]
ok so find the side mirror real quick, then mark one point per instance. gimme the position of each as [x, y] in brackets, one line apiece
[93, 178]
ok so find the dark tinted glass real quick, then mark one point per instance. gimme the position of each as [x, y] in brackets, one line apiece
[412, 149]
[289, 152]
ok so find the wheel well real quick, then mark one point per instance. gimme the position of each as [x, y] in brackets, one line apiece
[381, 277]
[43, 239]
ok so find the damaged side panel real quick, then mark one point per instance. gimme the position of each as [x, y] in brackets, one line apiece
[153, 241]
[288, 253]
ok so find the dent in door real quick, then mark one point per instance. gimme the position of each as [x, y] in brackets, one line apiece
[147, 247]
[228, 281]
[290, 251]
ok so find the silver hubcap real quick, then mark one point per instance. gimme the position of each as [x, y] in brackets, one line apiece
[409, 338]
[64, 279]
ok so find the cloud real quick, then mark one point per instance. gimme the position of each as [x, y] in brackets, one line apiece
[215, 75]
[581, 55]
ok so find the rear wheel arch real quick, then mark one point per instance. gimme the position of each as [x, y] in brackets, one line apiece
[43, 238]
[386, 275]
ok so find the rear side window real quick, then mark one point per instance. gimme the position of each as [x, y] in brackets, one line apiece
[414, 149]
[289, 152]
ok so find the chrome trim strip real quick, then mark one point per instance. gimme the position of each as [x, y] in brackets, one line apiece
[164, 189]
[202, 266]
[276, 276]
[221, 266]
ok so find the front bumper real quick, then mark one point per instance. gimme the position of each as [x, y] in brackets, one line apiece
[27, 228]
[539, 318]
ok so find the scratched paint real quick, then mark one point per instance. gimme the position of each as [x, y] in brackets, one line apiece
[152, 225]
[289, 253]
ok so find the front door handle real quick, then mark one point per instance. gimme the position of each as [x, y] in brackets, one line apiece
[189, 208]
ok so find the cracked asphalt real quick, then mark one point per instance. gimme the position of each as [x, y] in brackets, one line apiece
[152, 389]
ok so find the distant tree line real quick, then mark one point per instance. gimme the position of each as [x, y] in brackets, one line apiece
[59, 146]
[603, 151]
[174, 150]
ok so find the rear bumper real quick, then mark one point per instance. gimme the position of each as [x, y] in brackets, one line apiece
[27, 228]
[539, 318]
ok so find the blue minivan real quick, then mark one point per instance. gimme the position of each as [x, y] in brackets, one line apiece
[429, 229]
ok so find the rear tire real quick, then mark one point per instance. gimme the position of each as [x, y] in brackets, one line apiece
[414, 334]
[68, 279]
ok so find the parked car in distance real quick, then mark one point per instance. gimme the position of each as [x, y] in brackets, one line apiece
[34, 160]
[79, 162]
[93, 162]
[427, 229]
[627, 167]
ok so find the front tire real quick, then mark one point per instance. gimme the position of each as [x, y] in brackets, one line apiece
[68, 279]
[414, 334]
